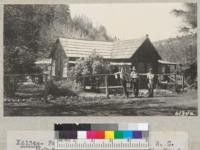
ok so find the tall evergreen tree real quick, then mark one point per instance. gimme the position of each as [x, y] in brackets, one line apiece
[189, 16]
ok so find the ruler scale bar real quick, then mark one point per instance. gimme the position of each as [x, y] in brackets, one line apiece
[102, 144]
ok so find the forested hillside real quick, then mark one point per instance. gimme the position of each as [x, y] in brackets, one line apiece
[180, 49]
[31, 30]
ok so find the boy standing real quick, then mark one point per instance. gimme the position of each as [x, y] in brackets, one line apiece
[150, 78]
[135, 81]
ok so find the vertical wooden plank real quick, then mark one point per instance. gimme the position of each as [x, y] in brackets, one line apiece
[175, 78]
[84, 82]
[46, 86]
[51, 70]
[183, 83]
[46, 89]
[106, 85]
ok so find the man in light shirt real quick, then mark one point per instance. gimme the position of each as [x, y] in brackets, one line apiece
[150, 78]
[135, 81]
[123, 79]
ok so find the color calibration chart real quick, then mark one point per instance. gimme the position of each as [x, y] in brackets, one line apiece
[101, 136]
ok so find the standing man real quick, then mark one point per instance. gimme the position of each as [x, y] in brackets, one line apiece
[150, 78]
[135, 81]
[123, 80]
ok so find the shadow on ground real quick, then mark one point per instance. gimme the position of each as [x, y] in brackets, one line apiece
[180, 104]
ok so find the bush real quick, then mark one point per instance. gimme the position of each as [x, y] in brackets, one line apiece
[64, 88]
[92, 65]
[10, 86]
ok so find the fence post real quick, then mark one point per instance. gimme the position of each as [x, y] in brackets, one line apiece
[175, 79]
[51, 70]
[45, 90]
[45, 84]
[84, 82]
[175, 82]
[183, 82]
[106, 86]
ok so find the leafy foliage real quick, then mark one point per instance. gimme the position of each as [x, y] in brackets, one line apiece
[92, 65]
[189, 15]
[182, 50]
[65, 88]
[31, 30]
[37, 27]
[83, 28]
[186, 47]
[19, 60]
[31, 25]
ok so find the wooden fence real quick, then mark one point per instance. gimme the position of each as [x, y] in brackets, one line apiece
[106, 81]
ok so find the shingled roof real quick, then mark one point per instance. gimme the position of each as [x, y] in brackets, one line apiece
[126, 49]
[83, 48]
[108, 50]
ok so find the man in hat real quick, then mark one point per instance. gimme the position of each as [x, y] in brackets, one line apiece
[123, 79]
[150, 78]
[135, 81]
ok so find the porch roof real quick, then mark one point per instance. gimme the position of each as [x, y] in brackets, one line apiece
[167, 62]
[120, 63]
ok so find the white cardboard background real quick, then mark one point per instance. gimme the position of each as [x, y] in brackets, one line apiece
[188, 124]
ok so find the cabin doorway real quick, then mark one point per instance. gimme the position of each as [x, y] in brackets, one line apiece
[143, 67]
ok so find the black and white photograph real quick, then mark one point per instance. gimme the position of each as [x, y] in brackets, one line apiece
[100, 59]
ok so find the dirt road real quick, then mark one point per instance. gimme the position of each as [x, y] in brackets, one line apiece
[182, 105]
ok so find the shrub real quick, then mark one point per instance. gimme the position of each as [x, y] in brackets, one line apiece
[10, 86]
[63, 88]
[92, 65]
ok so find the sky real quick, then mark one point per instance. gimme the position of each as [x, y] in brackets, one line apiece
[133, 20]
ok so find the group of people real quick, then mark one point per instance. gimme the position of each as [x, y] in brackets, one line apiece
[134, 78]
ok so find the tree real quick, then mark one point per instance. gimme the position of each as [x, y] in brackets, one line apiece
[188, 44]
[24, 38]
[33, 25]
[83, 28]
[19, 60]
[38, 26]
[189, 15]
[91, 65]
[182, 50]
[30, 32]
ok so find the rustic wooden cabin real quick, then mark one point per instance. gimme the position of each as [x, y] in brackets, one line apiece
[138, 52]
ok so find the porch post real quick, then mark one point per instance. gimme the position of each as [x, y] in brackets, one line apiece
[46, 85]
[183, 83]
[175, 78]
[106, 86]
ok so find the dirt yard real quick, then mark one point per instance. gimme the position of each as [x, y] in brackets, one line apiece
[87, 104]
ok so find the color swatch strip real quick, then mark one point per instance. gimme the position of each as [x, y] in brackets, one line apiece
[94, 127]
[101, 134]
